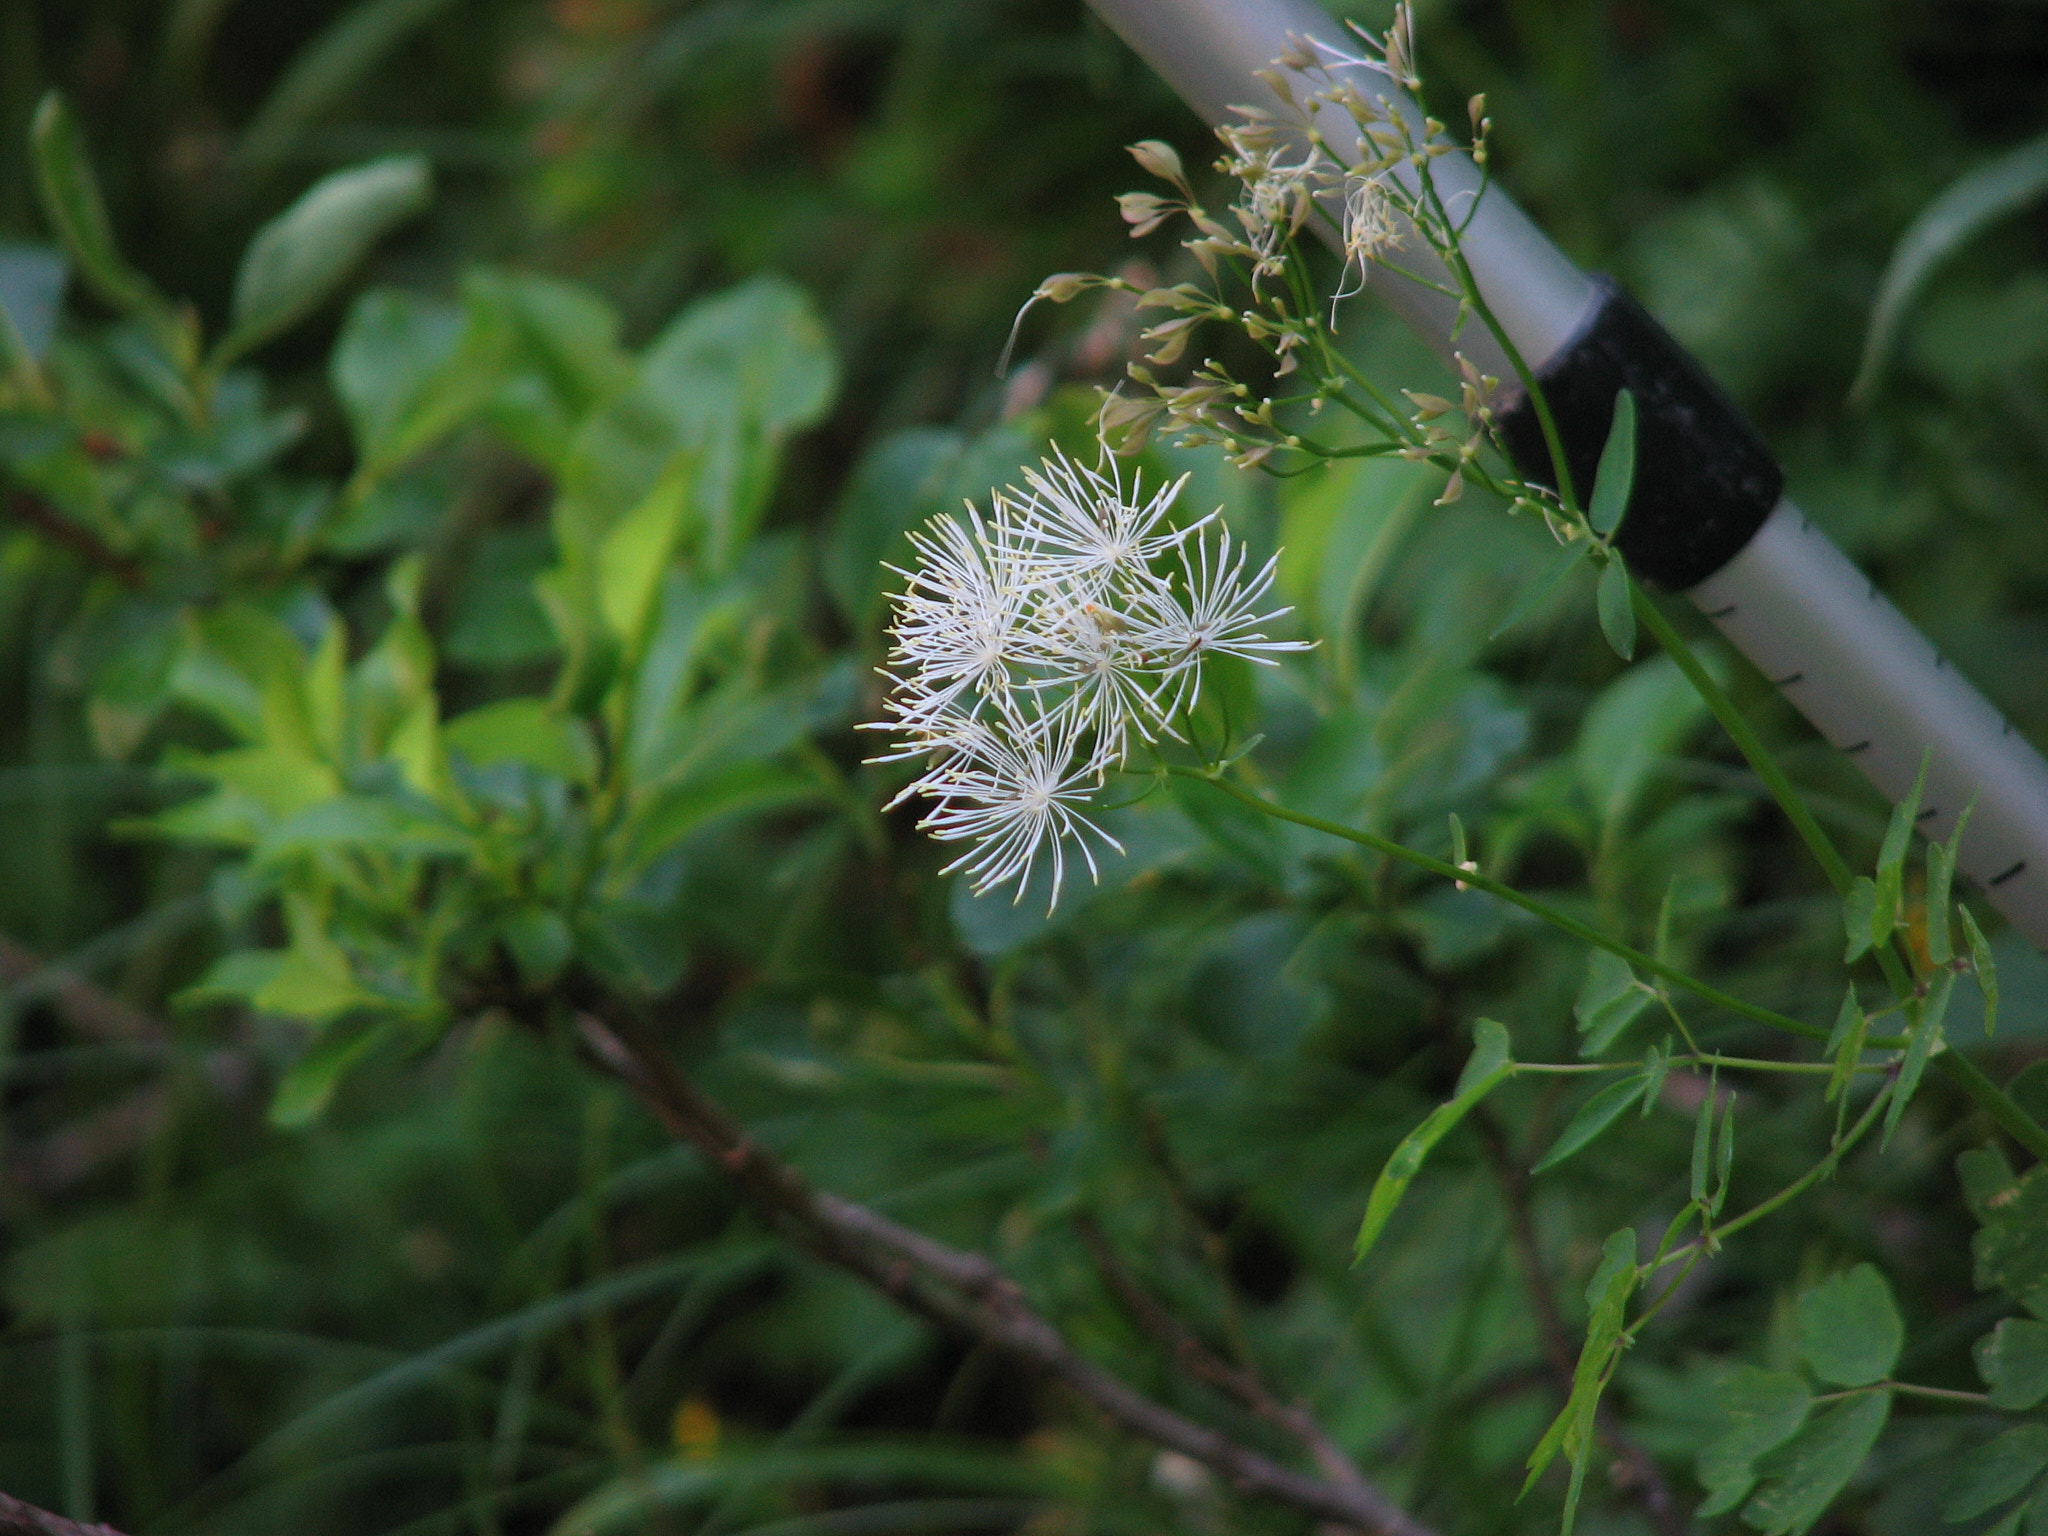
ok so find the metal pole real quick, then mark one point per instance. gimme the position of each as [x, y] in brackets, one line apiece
[1774, 585]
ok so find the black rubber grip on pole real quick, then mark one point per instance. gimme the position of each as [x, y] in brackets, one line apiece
[1704, 480]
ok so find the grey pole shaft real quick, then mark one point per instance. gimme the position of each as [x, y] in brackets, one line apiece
[1790, 600]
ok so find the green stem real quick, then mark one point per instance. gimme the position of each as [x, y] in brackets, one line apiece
[1812, 1176]
[1746, 740]
[1995, 1102]
[1562, 921]
[1940, 1394]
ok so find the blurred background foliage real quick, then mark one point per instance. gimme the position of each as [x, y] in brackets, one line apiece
[481, 1292]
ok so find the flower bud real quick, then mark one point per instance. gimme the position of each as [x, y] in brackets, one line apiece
[1062, 287]
[1159, 159]
[1144, 211]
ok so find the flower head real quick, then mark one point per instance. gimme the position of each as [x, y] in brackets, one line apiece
[1035, 648]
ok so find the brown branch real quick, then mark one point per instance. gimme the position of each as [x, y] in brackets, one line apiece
[58, 529]
[1634, 1471]
[84, 1006]
[76, 1151]
[19, 1519]
[957, 1289]
[1204, 1364]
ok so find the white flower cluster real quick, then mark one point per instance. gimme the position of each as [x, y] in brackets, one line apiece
[1037, 646]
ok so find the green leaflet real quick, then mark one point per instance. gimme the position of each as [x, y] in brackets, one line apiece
[1616, 477]
[1986, 969]
[1610, 999]
[2013, 1360]
[2011, 1248]
[1926, 1039]
[1850, 1332]
[1594, 1117]
[1801, 1478]
[1615, 599]
[1538, 592]
[1765, 1409]
[1993, 1473]
[1845, 1043]
[1489, 1066]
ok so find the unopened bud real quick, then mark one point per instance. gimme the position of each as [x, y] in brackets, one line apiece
[1159, 159]
[1144, 211]
[1476, 110]
[1064, 286]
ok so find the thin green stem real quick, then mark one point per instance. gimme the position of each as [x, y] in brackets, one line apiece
[1746, 740]
[1807, 1180]
[1940, 1394]
[1995, 1102]
[1562, 921]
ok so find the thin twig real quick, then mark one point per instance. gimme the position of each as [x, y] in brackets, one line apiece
[58, 529]
[957, 1289]
[19, 1519]
[87, 1008]
[1204, 1364]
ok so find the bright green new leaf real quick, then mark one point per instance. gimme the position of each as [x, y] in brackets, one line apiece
[1765, 1409]
[634, 555]
[524, 731]
[1801, 1478]
[1595, 1116]
[1993, 1473]
[1850, 1332]
[1616, 601]
[2013, 1360]
[1610, 999]
[71, 197]
[298, 259]
[1616, 478]
[308, 1085]
[1490, 1046]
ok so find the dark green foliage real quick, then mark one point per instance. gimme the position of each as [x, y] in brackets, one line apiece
[433, 628]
